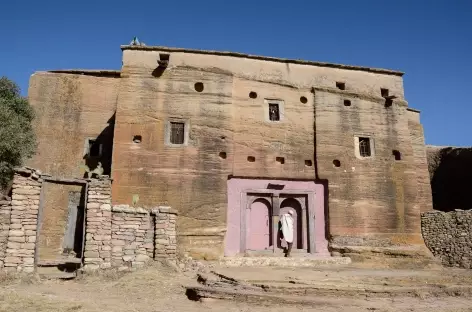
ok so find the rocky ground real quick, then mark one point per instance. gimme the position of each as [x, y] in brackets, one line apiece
[159, 288]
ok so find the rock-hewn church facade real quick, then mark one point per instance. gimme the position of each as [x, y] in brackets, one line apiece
[232, 140]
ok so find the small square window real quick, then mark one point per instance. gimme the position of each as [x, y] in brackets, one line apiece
[177, 132]
[94, 148]
[364, 147]
[341, 85]
[274, 112]
[384, 92]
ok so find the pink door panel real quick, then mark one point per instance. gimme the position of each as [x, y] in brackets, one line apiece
[259, 226]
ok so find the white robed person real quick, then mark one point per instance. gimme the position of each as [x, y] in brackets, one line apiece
[286, 221]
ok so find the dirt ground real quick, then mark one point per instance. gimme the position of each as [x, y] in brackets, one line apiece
[159, 288]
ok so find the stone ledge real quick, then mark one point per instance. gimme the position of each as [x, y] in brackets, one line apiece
[128, 209]
[164, 209]
[313, 261]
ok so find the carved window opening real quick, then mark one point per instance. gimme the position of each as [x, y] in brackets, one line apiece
[94, 148]
[341, 85]
[280, 160]
[308, 163]
[274, 112]
[397, 155]
[347, 103]
[384, 92]
[251, 159]
[364, 147]
[163, 59]
[137, 139]
[177, 132]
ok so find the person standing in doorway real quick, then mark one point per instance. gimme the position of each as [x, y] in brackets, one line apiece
[287, 231]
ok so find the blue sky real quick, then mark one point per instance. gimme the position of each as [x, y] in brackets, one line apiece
[429, 40]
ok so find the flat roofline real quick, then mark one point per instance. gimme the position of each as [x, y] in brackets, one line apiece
[411, 109]
[264, 58]
[88, 72]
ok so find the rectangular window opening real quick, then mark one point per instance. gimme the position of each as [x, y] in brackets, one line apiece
[164, 56]
[364, 147]
[274, 112]
[341, 85]
[384, 92]
[94, 148]
[177, 132]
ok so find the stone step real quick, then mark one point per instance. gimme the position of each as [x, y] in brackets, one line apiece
[55, 273]
[308, 261]
[295, 253]
[56, 262]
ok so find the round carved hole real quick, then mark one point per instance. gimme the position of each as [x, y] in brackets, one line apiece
[251, 158]
[223, 155]
[347, 103]
[252, 95]
[199, 86]
[308, 163]
[336, 163]
[304, 100]
[223, 138]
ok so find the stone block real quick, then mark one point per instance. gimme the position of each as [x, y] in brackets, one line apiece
[117, 242]
[17, 239]
[28, 246]
[128, 258]
[141, 258]
[106, 207]
[16, 260]
[13, 233]
[13, 245]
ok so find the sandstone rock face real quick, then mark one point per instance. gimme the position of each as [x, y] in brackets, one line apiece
[70, 108]
[449, 236]
[223, 101]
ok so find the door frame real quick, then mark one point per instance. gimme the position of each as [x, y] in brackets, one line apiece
[274, 198]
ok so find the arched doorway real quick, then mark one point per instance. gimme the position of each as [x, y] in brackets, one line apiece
[293, 204]
[260, 229]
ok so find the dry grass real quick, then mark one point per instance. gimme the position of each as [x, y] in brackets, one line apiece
[160, 288]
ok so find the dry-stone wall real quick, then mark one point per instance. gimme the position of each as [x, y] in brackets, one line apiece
[131, 237]
[122, 236]
[449, 236]
[5, 210]
[98, 225]
[119, 236]
[166, 241]
[21, 240]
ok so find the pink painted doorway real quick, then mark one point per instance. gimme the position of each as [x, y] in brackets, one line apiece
[293, 205]
[259, 225]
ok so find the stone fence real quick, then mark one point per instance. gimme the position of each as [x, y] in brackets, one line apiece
[115, 236]
[449, 236]
[123, 236]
